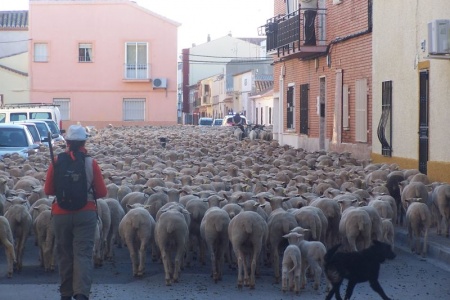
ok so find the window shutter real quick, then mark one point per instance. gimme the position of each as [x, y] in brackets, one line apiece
[361, 110]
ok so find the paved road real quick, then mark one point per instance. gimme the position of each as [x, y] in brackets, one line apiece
[406, 277]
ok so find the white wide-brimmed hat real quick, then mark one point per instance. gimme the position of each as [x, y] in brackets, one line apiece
[76, 133]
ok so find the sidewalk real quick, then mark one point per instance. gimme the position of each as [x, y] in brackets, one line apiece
[438, 246]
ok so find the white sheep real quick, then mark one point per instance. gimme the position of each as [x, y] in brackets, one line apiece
[388, 232]
[441, 200]
[291, 265]
[117, 213]
[21, 223]
[214, 232]
[136, 230]
[104, 215]
[172, 235]
[45, 236]
[6, 239]
[248, 234]
[418, 222]
[313, 253]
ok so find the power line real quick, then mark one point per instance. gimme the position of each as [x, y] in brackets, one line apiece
[7, 42]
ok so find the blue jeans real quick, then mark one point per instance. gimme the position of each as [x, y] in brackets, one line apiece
[75, 234]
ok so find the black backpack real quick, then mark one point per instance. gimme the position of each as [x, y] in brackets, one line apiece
[70, 181]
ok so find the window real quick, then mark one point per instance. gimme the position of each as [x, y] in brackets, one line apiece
[290, 108]
[304, 102]
[384, 129]
[134, 109]
[291, 6]
[136, 64]
[21, 116]
[84, 52]
[40, 52]
[64, 107]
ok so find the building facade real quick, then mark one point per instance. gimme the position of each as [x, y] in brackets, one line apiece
[322, 94]
[14, 36]
[411, 76]
[104, 62]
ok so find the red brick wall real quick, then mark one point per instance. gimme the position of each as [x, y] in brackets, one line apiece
[353, 56]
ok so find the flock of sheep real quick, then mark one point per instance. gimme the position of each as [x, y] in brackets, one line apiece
[206, 193]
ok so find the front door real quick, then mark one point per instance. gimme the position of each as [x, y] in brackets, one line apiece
[423, 121]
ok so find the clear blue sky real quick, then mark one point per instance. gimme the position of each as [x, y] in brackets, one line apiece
[199, 18]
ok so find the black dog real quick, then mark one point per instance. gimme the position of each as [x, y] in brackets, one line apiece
[357, 267]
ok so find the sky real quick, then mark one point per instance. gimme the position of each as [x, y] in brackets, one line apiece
[199, 18]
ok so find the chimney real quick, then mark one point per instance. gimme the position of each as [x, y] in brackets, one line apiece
[208, 39]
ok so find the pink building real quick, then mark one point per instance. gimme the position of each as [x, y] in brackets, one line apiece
[104, 62]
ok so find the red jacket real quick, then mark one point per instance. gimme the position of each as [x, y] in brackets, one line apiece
[99, 188]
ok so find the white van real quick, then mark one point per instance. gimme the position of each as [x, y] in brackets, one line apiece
[25, 111]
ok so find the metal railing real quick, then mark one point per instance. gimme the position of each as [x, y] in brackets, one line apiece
[283, 30]
[137, 71]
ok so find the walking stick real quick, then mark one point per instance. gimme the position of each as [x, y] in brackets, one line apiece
[52, 157]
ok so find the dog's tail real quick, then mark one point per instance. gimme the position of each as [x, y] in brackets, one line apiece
[331, 252]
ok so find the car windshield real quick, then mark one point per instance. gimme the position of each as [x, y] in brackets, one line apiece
[13, 137]
[218, 122]
[52, 126]
[34, 133]
[43, 129]
[205, 122]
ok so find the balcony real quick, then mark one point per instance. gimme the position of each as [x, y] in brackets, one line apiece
[286, 35]
[136, 72]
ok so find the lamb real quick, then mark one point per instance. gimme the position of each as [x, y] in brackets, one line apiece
[291, 265]
[214, 232]
[172, 235]
[441, 200]
[412, 190]
[418, 221]
[45, 236]
[248, 234]
[6, 239]
[21, 223]
[313, 253]
[105, 216]
[136, 230]
[388, 231]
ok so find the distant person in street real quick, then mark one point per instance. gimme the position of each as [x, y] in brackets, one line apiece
[237, 121]
[309, 8]
[75, 221]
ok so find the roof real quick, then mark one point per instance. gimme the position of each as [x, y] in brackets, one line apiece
[14, 19]
[253, 40]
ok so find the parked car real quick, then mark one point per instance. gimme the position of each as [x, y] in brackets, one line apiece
[228, 120]
[205, 121]
[55, 130]
[33, 130]
[44, 129]
[16, 138]
[217, 122]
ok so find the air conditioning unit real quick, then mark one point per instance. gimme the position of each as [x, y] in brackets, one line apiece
[159, 83]
[439, 37]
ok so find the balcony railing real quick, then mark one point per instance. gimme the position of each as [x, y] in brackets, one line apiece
[286, 34]
[136, 71]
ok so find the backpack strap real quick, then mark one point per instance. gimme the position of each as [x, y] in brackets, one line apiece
[89, 176]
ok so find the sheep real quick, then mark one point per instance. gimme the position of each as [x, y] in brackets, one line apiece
[21, 223]
[117, 213]
[412, 190]
[104, 215]
[197, 209]
[291, 265]
[6, 239]
[332, 212]
[441, 200]
[132, 198]
[136, 230]
[279, 223]
[388, 232]
[214, 232]
[313, 253]
[248, 234]
[172, 235]
[45, 236]
[355, 228]
[418, 221]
